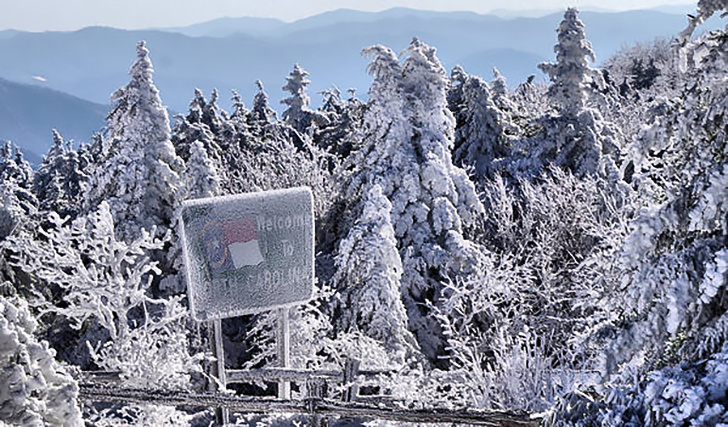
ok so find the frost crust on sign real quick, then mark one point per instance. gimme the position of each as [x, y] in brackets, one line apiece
[248, 253]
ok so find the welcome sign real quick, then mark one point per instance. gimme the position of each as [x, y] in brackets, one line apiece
[248, 253]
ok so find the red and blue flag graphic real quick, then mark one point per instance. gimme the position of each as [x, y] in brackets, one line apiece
[230, 245]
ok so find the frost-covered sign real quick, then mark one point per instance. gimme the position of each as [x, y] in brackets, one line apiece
[248, 253]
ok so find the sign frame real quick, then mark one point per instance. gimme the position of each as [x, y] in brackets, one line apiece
[253, 207]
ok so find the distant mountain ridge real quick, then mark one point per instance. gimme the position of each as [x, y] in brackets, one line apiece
[223, 27]
[232, 53]
[227, 26]
[270, 27]
[28, 113]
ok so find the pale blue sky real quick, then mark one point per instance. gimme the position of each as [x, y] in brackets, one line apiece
[40, 15]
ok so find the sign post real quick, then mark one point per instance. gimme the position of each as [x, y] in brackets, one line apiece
[222, 415]
[283, 344]
[246, 254]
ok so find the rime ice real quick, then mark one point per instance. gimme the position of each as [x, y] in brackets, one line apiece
[248, 253]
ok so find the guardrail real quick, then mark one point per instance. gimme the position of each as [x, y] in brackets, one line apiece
[104, 386]
[347, 375]
[314, 405]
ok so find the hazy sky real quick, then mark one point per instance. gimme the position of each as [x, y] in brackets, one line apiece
[39, 15]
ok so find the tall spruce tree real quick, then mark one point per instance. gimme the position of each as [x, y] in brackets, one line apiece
[138, 170]
[577, 137]
[204, 124]
[571, 75]
[18, 204]
[481, 138]
[261, 114]
[201, 174]
[298, 114]
[60, 182]
[408, 134]
[499, 89]
[369, 271]
[239, 115]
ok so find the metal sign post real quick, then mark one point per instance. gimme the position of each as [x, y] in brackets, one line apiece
[222, 415]
[283, 347]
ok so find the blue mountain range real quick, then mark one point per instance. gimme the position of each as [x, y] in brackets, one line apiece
[232, 53]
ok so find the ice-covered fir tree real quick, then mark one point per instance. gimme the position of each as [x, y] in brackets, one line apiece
[570, 75]
[207, 124]
[60, 182]
[296, 84]
[261, 114]
[239, 114]
[408, 136]
[332, 102]
[578, 137]
[138, 170]
[338, 135]
[17, 202]
[201, 175]
[13, 166]
[369, 271]
[499, 89]
[482, 136]
[298, 114]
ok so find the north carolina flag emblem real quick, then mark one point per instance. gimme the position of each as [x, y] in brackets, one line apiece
[231, 245]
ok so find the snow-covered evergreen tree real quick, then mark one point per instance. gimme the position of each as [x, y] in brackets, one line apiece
[138, 170]
[188, 132]
[483, 135]
[339, 135]
[455, 92]
[296, 84]
[18, 203]
[500, 92]
[571, 75]
[239, 115]
[212, 115]
[60, 182]
[47, 181]
[408, 136]
[35, 390]
[298, 114]
[332, 102]
[578, 137]
[261, 114]
[369, 271]
[13, 166]
[207, 124]
[201, 174]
